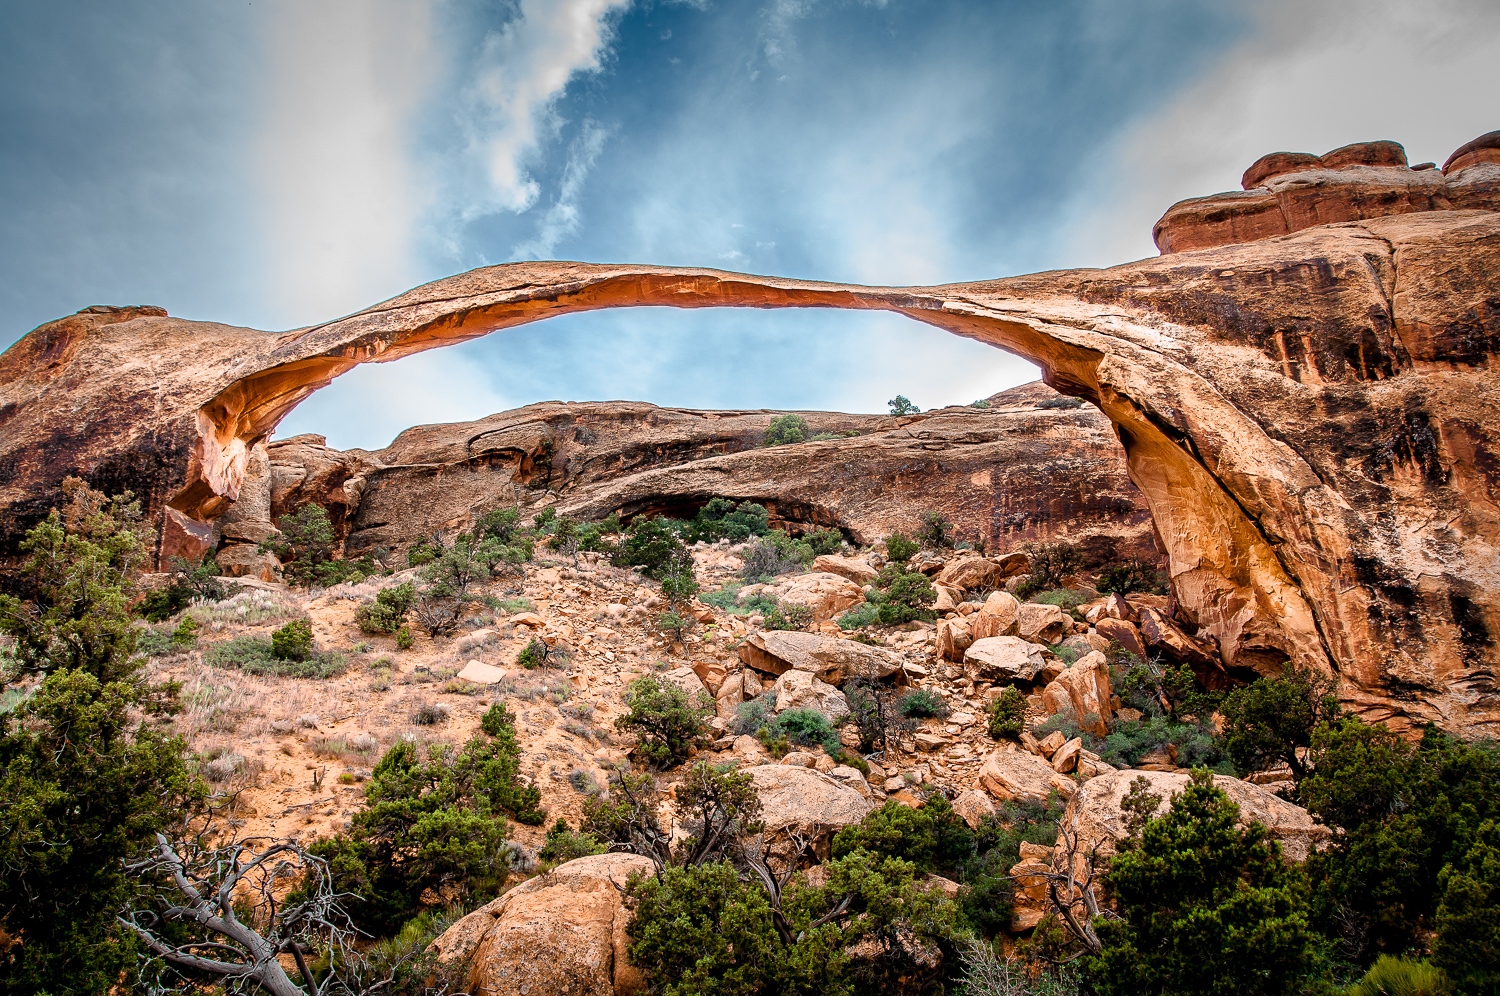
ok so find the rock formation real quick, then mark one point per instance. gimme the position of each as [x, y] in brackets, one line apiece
[1310, 417]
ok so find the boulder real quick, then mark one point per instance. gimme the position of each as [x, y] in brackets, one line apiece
[799, 758]
[1082, 691]
[1011, 775]
[1121, 632]
[1066, 758]
[969, 573]
[246, 561]
[825, 594]
[1003, 659]
[1162, 636]
[948, 598]
[858, 571]
[998, 616]
[712, 674]
[563, 932]
[806, 802]
[687, 679]
[803, 690]
[731, 693]
[1096, 807]
[851, 777]
[831, 658]
[1029, 901]
[973, 806]
[1041, 623]
[953, 639]
[1115, 607]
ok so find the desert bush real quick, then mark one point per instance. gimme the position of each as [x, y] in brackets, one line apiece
[864, 614]
[388, 612]
[1129, 577]
[650, 544]
[293, 642]
[899, 548]
[786, 429]
[1007, 714]
[721, 518]
[404, 638]
[1272, 720]
[774, 554]
[901, 406]
[667, 723]
[923, 703]
[907, 597]
[249, 608]
[304, 545]
[564, 844]
[583, 782]
[1051, 565]
[534, 654]
[824, 541]
[256, 655]
[1057, 403]
[515, 605]
[936, 532]
[752, 715]
[1130, 741]
[430, 713]
[1391, 976]
[154, 641]
[789, 616]
[806, 727]
[432, 827]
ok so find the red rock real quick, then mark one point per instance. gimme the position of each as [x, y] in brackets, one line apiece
[1121, 632]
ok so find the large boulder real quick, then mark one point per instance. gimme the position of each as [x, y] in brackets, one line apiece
[806, 802]
[858, 571]
[1000, 615]
[1165, 638]
[1121, 632]
[953, 638]
[803, 690]
[559, 933]
[1012, 775]
[831, 658]
[1004, 659]
[687, 679]
[1042, 623]
[1082, 691]
[1100, 820]
[731, 693]
[825, 594]
[969, 573]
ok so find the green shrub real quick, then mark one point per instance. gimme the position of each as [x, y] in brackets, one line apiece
[304, 545]
[1130, 741]
[534, 654]
[936, 532]
[1129, 577]
[422, 552]
[807, 727]
[651, 545]
[293, 642]
[824, 541]
[750, 717]
[565, 844]
[900, 549]
[1467, 945]
[1205, 907]
[431, 827]
[388, 612]
[932, 837]
[923, 703]
[721, 518]
[1391, 976]
[667, 723]
[1272, 720]
[1051, 565]
[907, 597]
[404, 638]
[186, 633]
[901, 406]
[1007, 714]
[774, 554]
[257, 655]
[154, 641]
[862, 615]
[162, 603]
[786, 429]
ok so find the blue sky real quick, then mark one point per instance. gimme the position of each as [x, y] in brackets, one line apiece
[281, 162]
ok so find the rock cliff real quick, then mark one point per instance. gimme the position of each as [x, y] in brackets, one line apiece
[1311, 417]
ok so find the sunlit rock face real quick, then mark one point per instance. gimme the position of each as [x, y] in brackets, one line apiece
[1310, 417]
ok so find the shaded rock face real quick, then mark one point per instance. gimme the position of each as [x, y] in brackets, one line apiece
[1005, 475]
[1311, 418]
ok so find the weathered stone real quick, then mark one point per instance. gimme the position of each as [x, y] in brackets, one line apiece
[712, 674]
[806, 802]
[799, 758]
[1050, 744]
[850, 777]
[563, 932]
[953, 639]
[1124, 633]
[973, 806]
[731, 693]
[832, 659]
[802, 690]
[1011, 775]
[687, 679]
[971, 573]
[825, 594]
[1166, 639]
[1003, 659]
[999, 616]
[1082, 691]
[1096, 808]
[1066, 757]
[858, 571]
[1042, 623]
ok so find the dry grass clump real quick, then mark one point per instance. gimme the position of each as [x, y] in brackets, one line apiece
[431, 713]
[255, 607]
[359, 748]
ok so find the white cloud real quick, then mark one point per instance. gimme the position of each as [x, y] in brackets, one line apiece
[339, 198]
[525, 67]
[562, 218]
[1310, 78]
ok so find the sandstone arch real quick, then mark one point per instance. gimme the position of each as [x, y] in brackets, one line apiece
[1311, 418]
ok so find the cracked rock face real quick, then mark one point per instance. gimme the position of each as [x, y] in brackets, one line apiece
[1310, 417]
